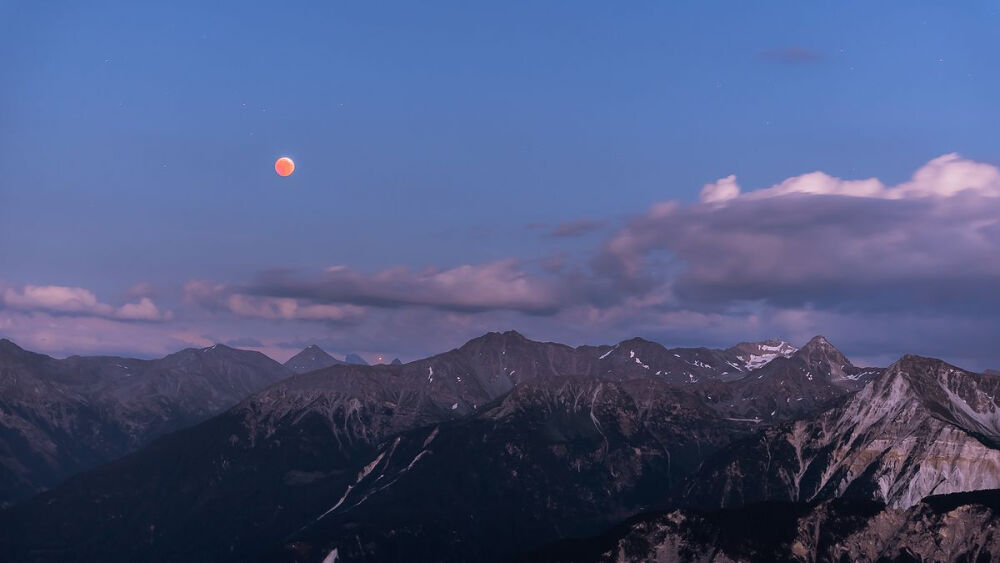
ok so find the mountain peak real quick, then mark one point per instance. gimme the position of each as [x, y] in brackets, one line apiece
[311, 358]
[355, 359]
[636, 340]
[915, 363]
[818, 341]
[513, 334]
[495, 340]
[824, 358]
[819, 345]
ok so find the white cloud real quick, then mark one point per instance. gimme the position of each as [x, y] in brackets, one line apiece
[721, 190]
[78, 301]
[144, 310]
[945, 176]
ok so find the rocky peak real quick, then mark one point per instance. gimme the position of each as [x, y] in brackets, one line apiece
[824, 358]
[638, 343]
[965, 399]
[214, 354]
[497, 340]
[311, 358]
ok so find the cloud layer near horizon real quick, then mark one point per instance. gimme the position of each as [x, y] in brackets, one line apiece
[78, 301]
[881, 269]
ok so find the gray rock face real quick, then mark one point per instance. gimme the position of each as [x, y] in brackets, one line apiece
[59, 417]
[921, 428]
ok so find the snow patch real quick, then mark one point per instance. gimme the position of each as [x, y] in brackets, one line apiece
[416, 459]
[369, 468]
[430, 438]
[339, 502]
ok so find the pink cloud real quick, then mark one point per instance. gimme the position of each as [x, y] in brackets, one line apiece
[78, 301]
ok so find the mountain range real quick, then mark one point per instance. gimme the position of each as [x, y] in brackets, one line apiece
[507, 448]
[62, 416]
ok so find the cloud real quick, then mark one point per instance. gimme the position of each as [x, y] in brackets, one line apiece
[945, 176]
[61, 334]
[576, 228]
[78, 301]
[931, 243]
[720, 190]
[882, 269]
[793, 54]
[230, 299]
[498, 285]
[284, 308]
[144, 310]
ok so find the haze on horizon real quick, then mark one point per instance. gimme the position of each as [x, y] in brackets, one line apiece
[694, 174]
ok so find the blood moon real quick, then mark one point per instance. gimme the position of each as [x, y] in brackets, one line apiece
[284, 166]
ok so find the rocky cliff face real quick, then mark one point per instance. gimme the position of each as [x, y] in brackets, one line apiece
[922, 428]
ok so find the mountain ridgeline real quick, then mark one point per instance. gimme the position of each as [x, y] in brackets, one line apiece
[59, 417]
[507, 448]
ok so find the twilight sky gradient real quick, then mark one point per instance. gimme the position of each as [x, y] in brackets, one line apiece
[693, 173]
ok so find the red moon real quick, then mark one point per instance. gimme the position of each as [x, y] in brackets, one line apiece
[284, 166]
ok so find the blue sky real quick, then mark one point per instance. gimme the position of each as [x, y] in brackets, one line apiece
[137, 144]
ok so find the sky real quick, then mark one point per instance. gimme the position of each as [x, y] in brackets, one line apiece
[695, 173]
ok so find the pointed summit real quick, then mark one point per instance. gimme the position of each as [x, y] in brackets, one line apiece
[355, 360]
[311, 358]
[824, 358]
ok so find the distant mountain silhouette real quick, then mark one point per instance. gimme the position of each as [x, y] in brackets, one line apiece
[311, 358]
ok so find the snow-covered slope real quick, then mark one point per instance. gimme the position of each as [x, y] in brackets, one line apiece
[755, 355]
